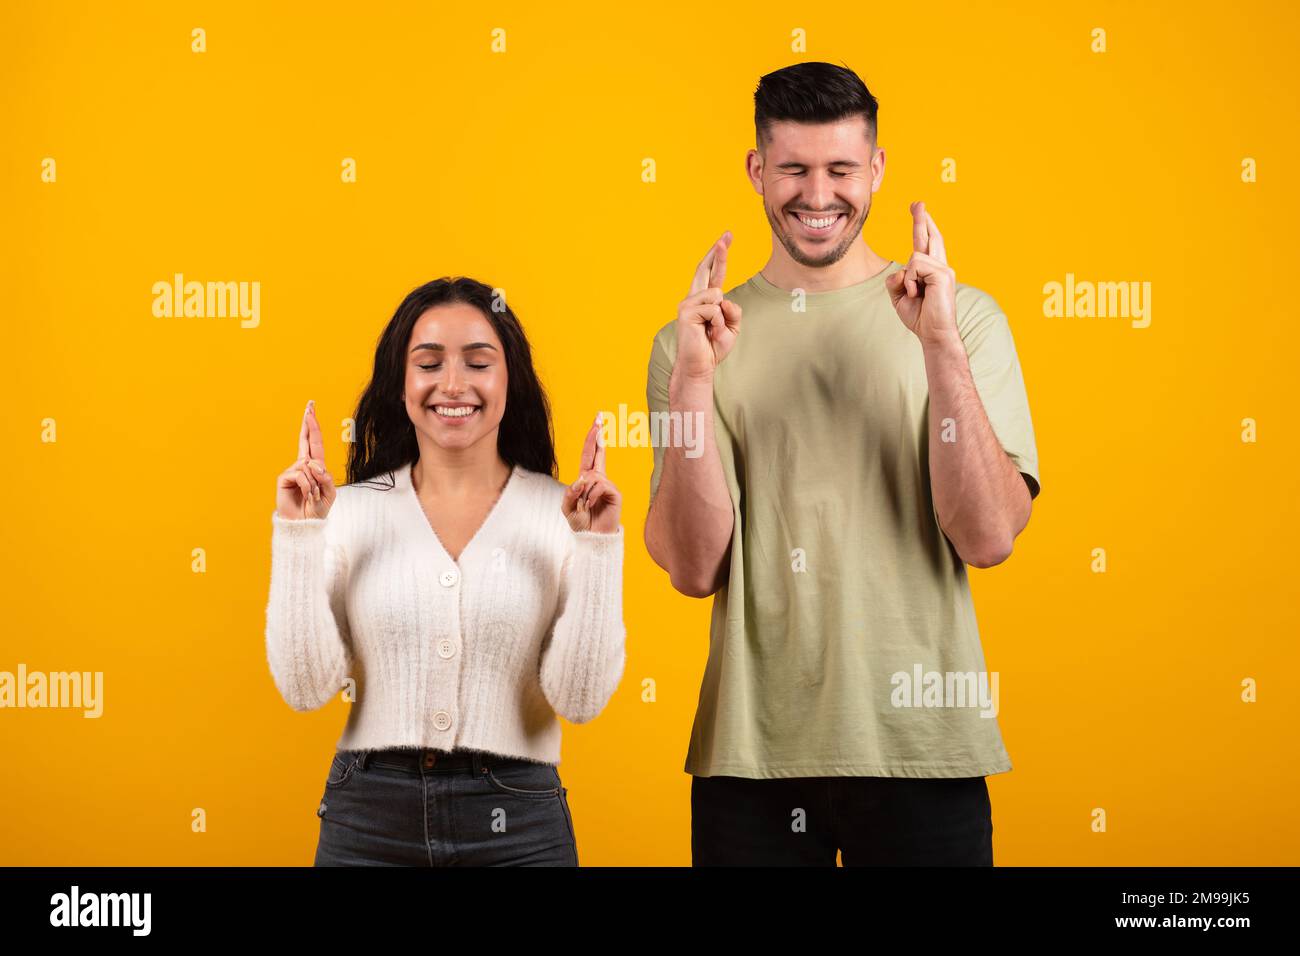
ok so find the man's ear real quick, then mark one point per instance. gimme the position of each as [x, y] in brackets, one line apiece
[877, 168]
[754, 170]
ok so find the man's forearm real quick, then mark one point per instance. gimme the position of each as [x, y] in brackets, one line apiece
[689, 527]
[979, 494]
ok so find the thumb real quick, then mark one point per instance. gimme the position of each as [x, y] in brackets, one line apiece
[894, 285]
[323, 474]
[731, 313]
[572, 495]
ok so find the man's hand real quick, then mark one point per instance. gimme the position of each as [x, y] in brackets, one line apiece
[707, 323]
[925, 292]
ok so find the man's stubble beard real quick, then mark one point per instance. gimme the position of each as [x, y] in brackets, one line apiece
[777, 222]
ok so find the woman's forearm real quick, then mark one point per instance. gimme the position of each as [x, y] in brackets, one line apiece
[583, 660]
[305, 614]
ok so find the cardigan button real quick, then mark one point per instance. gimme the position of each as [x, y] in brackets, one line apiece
[442, 720]
[449, 577]
[446, 648]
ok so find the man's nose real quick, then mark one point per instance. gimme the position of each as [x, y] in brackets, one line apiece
[821, 192]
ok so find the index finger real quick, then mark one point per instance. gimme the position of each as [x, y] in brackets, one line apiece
[589, 449]
[937, 248]
[316, 445]
[599, 462]
[304, 437]
[712, 270]
[920, 229]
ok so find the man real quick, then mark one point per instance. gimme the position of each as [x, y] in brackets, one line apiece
[867, 435]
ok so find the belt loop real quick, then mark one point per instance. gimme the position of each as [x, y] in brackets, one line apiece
[362, 758]
[480, 764]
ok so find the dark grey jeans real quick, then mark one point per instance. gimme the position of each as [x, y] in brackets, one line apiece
[408, 807]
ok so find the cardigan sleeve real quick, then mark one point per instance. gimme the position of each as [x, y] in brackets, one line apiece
[308, 645]
[582, 659]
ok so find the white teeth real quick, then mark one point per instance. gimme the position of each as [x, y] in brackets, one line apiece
[454, 412]
[817, 223]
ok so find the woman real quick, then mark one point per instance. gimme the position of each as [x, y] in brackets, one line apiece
[457, 593]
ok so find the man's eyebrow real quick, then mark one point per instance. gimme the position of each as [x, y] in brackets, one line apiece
[833, 162]
[439, 347]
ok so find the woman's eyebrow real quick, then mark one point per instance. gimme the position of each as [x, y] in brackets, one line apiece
[439, 347]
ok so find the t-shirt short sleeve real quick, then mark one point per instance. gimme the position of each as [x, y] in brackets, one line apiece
[995, 369]
[656, 391]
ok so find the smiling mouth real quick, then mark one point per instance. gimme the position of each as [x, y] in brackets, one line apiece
[818, 225]
[455, 413]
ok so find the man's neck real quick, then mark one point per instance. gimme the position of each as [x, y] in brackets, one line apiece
[859, 264]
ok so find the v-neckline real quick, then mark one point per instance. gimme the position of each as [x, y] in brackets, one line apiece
[414, 498]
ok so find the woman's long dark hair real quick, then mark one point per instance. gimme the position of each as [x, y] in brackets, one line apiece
[384, 437]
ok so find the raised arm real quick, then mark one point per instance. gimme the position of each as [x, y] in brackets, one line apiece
[583, 658]
[980, 494]
[689, 527]
[307, 640]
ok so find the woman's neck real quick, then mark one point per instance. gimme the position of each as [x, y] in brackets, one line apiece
[441, 473]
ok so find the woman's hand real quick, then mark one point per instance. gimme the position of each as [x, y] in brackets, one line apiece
[592, 503]
[306, 488]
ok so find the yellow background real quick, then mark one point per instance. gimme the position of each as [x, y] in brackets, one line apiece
[1118, 691]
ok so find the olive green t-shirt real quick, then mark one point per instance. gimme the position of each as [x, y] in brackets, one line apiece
[844, 642]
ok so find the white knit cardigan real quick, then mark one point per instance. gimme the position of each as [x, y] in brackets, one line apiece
[479, 653]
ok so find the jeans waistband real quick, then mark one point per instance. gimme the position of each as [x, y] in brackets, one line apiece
[416, 760]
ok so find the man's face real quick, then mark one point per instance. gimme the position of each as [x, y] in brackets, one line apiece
[816, 181]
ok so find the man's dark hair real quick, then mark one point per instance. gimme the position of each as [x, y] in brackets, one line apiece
[811, 93]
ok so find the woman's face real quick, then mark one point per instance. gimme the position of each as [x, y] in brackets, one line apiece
[455, 377]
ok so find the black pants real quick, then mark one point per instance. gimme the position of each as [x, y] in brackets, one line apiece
[871, 821]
